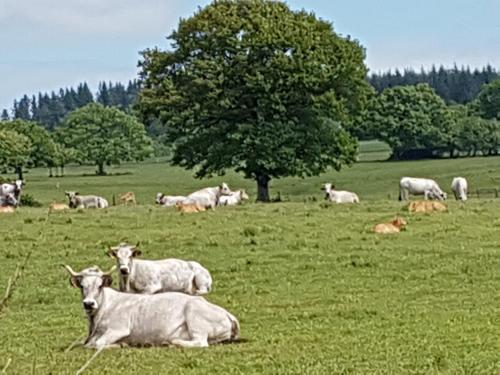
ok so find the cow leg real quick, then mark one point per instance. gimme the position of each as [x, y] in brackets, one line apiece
[108, 339]
[198, 342]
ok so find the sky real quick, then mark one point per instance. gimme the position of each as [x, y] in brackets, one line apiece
[49, 44]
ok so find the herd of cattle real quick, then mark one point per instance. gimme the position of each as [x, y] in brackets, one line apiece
[159, 301]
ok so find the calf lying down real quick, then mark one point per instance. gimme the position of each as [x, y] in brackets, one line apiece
[427, 206]
[394, 226]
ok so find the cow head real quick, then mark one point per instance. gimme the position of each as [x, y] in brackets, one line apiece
[124, 254]
[72, 198]
[243, 195]
[328, 188]
[159, 198]
[90, 281]
[224, 189]
[438, 194]
[18, 185]
[399, 222]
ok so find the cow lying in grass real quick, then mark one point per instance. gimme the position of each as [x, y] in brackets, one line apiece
[54, 206]
[339, 196]
[395, 226]
[156, 276]
[427, 206]
[169, 200]
[189, 207]
[7, 210]
[85, 201]
[234, 198]
[117, 318]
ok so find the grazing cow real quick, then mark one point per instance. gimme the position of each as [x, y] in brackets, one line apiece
[156, 276]
[420, 186]
[128, 197]
[394, 226]
[339, 196]
[459, 187]
[54, 206]
[85, 201]
[209, 197]
[169, 200]
[236, 197]
[188, 207]
[15, 188]
[117, 318]
[8, 200]
[7, 209]
[427, 206]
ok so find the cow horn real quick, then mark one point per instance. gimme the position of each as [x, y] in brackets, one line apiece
[110, 271]
[70, 270]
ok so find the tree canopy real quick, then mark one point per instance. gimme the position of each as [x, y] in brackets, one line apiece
[255, 86]
[15, 150]
[488, 101]
[412, 120]
[104, 135]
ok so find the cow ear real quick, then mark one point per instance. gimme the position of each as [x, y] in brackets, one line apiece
[107, 280]
[111, 253]
[136, 252]
[74, 281]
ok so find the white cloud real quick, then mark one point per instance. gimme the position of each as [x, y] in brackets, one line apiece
[110, 17]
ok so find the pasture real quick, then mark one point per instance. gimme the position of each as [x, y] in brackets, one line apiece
[314, 290]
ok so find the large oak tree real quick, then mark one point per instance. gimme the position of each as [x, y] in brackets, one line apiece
[255, 86]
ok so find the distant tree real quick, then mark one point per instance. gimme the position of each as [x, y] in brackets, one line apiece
[105, 135]
[83, 95]
[15, 151]
[43, 147]
[103, 95]
[488, 101]
[22, 109]
[254, 86]
[413, 120]
[5, 115]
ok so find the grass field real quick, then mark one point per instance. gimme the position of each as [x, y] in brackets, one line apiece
[314, 290]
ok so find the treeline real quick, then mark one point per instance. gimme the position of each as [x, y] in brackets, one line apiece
[454, 85]
[50, 110]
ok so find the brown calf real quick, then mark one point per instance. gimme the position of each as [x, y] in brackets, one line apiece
[7, 210]
[394, 226]
[128, 197]
[427, 206]
[189, 207]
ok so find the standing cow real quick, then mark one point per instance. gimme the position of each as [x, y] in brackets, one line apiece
[420, 186]
[459, 188]
[117, 318]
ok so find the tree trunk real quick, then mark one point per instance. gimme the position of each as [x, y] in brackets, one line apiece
[263, 188]
[19, 171]
[50, 172]
[62, 170]
[100, 170]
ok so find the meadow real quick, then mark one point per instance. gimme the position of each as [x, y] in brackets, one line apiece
[315, 291]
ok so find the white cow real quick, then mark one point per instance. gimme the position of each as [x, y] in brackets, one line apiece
[156, 276]
[117, 318]
[209, 197]
[420, 186]
[85, 201]
[339, 196]
[236, 197]
[459, 187]
[15, 188]
[169, 200]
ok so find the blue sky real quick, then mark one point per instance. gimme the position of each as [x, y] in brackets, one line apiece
[48, 44]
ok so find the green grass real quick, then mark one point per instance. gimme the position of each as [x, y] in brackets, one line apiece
[314, 290]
